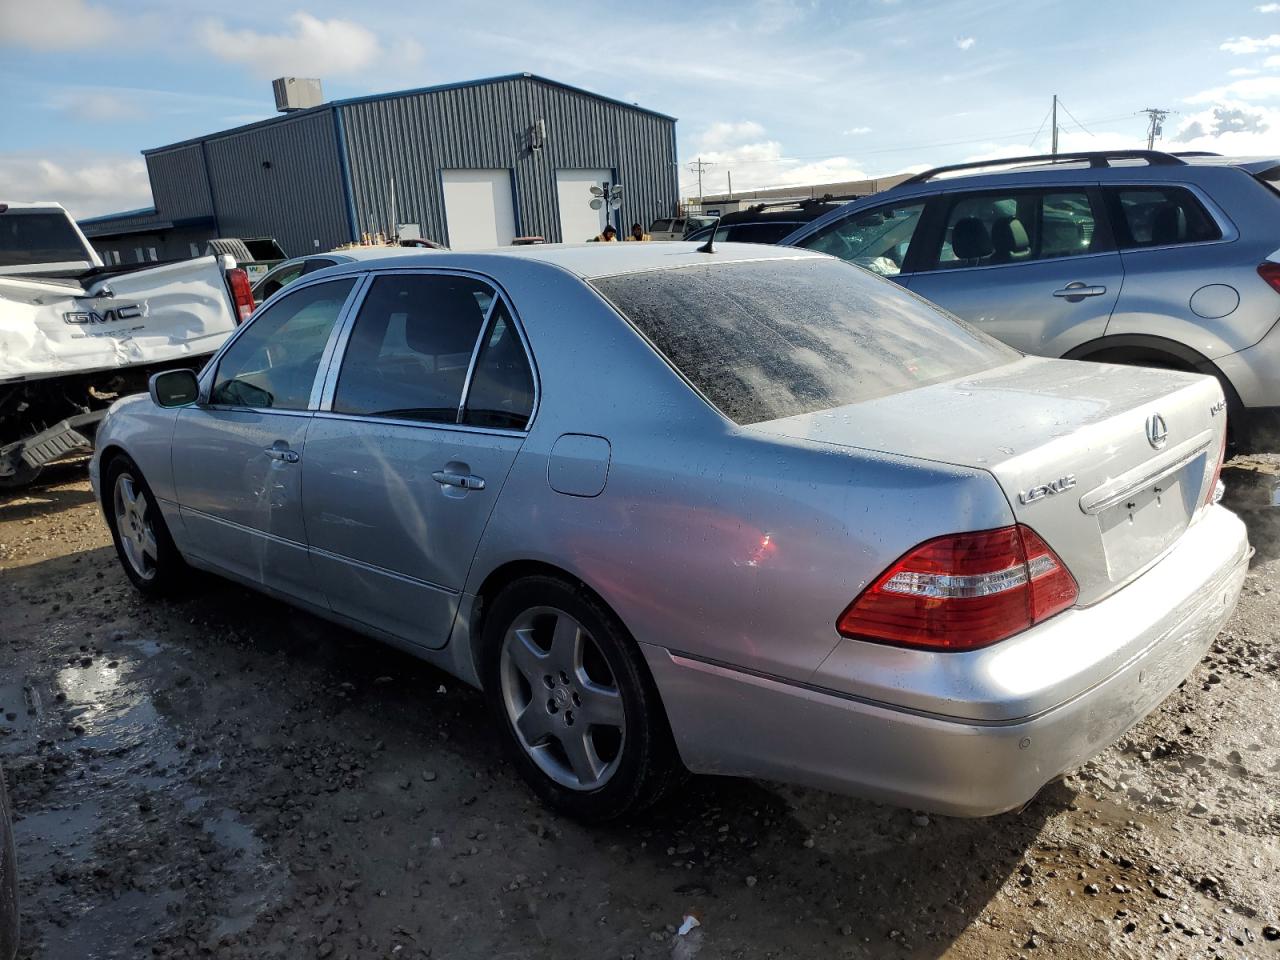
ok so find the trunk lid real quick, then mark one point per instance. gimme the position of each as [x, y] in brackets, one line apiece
[1068, 443]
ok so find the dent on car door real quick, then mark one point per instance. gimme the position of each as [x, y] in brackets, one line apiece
[1034, 267]
[237, 455]
[421, 422]
[878, 239]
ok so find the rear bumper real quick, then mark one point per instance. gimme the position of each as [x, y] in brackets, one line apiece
[728, 721]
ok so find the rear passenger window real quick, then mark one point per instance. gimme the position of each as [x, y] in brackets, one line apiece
[411, 346]
[992, 229]
[501, 393]
[1159, 216]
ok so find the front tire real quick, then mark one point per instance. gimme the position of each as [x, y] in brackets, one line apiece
[574, 699]
[146, 551]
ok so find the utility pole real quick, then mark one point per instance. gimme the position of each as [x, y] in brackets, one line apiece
[1155, 125]
[730, 184]
[1055, 125]
[700, 165]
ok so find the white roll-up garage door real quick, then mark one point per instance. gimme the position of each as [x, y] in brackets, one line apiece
[578, 222]
[477, 208]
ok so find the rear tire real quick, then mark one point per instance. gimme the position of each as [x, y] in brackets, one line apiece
[23, 476]
[579, 712]
[141, 537]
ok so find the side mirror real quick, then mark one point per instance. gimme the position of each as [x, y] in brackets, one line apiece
[174, 388]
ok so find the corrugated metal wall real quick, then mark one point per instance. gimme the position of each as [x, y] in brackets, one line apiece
[411, 138]
[298, 198]
[179, 184]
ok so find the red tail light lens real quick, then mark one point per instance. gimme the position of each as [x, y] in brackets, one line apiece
[1269, 271]
[241, 293]
[962, 592]
[1214, 493]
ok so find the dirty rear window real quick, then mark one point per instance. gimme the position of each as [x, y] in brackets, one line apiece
[27, 238]
[778, 338]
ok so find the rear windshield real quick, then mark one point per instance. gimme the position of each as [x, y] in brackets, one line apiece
[777, 338]
[29, 238]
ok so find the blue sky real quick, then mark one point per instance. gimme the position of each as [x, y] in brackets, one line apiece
[775, 91]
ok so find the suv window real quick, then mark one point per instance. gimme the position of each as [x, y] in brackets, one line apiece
[273, 363]
[410, 347]
[278, 279]
[875, 239]
[989, 229]
[777, 338]
[769, 231]
[501, 393]
[1158, 216]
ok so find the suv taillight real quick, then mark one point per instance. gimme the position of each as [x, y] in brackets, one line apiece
[241, 293]
[1269, 271]
[963, 591]
[1215, 491]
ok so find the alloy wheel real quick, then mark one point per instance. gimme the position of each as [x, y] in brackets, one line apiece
[562, 698]
[137, 535]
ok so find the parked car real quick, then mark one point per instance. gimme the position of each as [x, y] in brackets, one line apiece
[75, 334]
[749, 512]
[254, 255]
[1134, 256]
[764, 223]
[678, 228]
[285, 273]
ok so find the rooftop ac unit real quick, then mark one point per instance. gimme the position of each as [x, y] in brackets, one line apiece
[297, 93]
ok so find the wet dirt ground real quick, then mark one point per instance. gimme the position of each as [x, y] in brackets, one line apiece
[225, 777]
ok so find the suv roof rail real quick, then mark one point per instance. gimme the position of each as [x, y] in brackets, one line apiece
[1096, 158]
[1196, 153]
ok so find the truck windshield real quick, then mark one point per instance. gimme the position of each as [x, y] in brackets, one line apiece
[770, 339]
[35, 237]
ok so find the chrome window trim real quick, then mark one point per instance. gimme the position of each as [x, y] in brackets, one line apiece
[325, 405]
[475, 353]
[210, 371]
[429, 424]
[1068, 258]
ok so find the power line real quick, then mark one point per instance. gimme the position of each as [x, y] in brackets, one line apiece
[1041, 127]
[1155, 127]
[1074, 120]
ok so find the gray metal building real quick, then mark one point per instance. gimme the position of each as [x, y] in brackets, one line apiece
[468, 164]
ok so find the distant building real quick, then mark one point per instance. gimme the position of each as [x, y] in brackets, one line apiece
[719, 204]
[468, 164]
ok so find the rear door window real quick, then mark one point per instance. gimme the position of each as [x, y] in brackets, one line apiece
[501, 391]
[1000, 228]
[773, 339]
[876, 239]
[411, 346]
[1152, 216]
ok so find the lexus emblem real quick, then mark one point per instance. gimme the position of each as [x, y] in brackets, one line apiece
[1157, 432]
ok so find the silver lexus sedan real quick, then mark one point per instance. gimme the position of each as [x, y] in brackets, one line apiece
[752, 511]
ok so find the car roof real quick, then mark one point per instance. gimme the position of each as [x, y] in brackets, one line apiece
[591, 260]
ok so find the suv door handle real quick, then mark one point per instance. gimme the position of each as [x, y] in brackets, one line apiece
[467, 481]
[276, 453]
[1078, 289]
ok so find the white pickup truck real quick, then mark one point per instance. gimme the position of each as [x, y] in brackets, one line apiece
[75, 335]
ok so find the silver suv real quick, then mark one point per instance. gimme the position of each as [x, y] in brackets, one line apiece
[1136, 256]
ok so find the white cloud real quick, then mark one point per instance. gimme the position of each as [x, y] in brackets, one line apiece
[1243, 45]
[86, 185]
[965, 43]
[1270, 63]
[54, 24]
[756, 161]
[1268, 8]
[1250, 88]
[1245, 71]
[856, 131]
[313, 48]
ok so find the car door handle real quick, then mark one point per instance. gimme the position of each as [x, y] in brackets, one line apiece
[288, 456]
[467, 481]
[1079, 289]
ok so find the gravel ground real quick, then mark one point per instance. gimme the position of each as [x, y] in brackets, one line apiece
[225, 777]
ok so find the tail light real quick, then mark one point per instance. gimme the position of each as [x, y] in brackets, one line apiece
[1215, 489]
[962, 592]
[1269, 271]
[241, 293]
